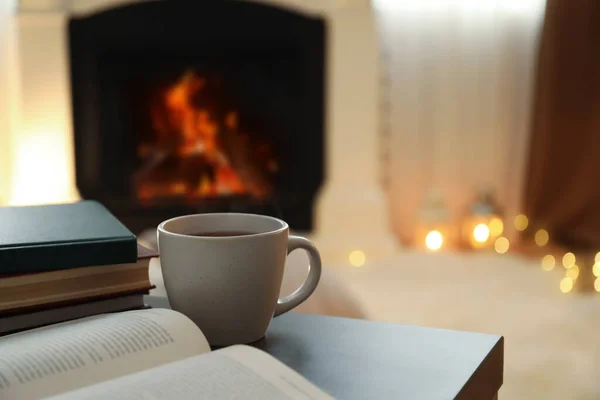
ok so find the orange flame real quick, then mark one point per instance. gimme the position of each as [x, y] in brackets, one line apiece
[206, 166]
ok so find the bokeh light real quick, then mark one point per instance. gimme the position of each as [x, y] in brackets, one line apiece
[573, 272]
[481, 233]
[542, 237]
[566, 285]
[434, 240]
[521, 222]
[357, 258]
[501, 245]
[568, 260]
[496, 227]
[548, 262]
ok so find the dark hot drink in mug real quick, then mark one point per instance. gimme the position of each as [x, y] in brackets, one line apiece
[222, 233]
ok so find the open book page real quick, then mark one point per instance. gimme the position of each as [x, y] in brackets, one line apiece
[63, 357]
[238, 372]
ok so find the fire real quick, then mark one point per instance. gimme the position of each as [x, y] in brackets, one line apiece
[199, 149]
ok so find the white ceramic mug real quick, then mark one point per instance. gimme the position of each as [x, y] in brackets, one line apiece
[229, 285]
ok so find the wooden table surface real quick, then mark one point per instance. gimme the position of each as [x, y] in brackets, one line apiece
[358, 359]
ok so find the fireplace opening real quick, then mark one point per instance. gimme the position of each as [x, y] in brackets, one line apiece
[185, 107]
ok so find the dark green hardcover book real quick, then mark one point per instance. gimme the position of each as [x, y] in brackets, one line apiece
[62, 236]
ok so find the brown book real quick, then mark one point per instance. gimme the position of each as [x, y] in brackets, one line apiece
[36, 319]
[37, 291]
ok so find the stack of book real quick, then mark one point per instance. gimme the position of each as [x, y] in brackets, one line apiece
[66, 261]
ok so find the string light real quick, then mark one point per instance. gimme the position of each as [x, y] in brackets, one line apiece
[434, 240]
[596, 269]
[548, 262]
[481, 233]
[568, 260]
[493, 230]
[573, 272]
[496, 227]
[542, 237]
[501, 245]
[357, 258]
[521, 222]
[566, 285]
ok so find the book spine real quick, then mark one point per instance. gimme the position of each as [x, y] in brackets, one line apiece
[50, 257]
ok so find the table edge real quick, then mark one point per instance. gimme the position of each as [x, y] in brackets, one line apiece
[488, 378]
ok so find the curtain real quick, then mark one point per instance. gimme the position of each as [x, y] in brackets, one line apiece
[457, 84]
[563, 185]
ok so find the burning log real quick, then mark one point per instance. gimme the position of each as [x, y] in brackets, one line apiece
[239, 152]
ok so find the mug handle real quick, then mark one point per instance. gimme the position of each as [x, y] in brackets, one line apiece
[312, 280]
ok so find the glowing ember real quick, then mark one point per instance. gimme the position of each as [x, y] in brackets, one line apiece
[199, 149]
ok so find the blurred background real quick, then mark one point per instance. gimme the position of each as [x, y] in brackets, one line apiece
[443, 154]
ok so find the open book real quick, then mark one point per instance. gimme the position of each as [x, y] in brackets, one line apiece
[144, 354]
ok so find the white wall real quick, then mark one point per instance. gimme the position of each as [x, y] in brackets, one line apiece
[9, 92]
[43, 170]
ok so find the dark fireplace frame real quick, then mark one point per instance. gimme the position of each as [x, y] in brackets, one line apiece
[175, 24]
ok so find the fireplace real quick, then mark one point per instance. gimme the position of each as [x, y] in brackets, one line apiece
[183, 107]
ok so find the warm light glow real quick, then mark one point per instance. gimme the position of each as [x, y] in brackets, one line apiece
[542, 237]
[357, 258]
[596, 269]
[481, 233]
[573, 272]
[42, 169]
[501, 245]
[568, 260]
[597, 284]
[496, 227]
[521, 222]
[597, 258]
[434, 240]
[548, 262]
[566, 285]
